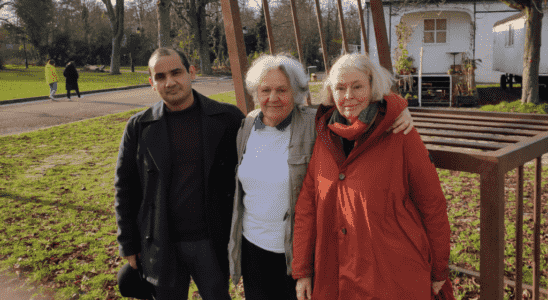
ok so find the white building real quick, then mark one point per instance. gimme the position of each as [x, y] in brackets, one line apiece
[441, 30]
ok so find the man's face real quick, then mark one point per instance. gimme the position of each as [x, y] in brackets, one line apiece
[173, 83]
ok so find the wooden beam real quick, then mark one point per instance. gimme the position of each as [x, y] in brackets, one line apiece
[362, 27]
[343, 29]
[268, 27]
[380, 34]
[236, 52]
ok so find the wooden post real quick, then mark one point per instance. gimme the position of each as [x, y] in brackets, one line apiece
[362, 26]
[380, 34]
[343, 30]
[322, 39]
[492, 233]
[236, 52]
[268, 27]
[298, 40]
[297, 31]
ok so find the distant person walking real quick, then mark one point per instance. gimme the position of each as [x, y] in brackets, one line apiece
[51, 78]
[71, 75]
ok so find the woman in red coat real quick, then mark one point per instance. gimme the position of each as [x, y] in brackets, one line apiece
[371, 219]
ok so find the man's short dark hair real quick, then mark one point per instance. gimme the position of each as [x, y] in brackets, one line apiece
[167, 52]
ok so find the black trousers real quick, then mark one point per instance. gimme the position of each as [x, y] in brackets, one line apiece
[265, 274]
[77, 92]
[198, 260]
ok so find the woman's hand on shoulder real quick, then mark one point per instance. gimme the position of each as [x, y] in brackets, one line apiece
[304, 288]
[436, 286]
[403, 122]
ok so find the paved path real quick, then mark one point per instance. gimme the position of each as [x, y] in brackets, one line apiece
[29, 116]
[24, 117]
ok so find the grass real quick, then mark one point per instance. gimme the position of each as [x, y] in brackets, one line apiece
[58, 225]
[495, 85]
[517, 107]
[128, 68]
[18, 82]
[228, 97]
[462, 193]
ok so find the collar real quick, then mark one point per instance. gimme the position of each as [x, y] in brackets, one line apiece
[281, 127]
[207, 106]
[366, 116]
[195, 105]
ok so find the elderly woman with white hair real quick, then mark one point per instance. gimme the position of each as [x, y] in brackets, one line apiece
[274, 145]
[371, 220]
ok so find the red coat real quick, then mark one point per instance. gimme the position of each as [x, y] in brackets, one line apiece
[373, 225]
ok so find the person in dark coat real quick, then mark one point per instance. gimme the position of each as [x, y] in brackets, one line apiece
[174, 183]
[71, 76]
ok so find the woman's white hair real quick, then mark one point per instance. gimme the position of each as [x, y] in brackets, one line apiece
[292, 69]
[381, 80]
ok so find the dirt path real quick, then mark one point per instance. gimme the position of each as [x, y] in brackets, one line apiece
[24, 117]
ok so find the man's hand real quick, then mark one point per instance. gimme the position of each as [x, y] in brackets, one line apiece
[436, 286]
[132, 259]
[403, 122]
[304, 288]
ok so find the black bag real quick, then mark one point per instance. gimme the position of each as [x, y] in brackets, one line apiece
[132, 283]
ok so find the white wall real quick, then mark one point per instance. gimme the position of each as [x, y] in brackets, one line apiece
[485, 37]
[509, 58]
[460, 18]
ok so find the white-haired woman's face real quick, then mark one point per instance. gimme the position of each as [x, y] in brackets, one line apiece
[275, 97]
[351, 93]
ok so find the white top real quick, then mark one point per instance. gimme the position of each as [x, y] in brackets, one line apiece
[264, 174]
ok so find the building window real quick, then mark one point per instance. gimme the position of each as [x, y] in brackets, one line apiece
[435, 31]
[510, 36]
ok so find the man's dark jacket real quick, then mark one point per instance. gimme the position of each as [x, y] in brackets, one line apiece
[142, 183]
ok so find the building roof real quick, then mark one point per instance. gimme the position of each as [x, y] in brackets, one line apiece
[510, 18]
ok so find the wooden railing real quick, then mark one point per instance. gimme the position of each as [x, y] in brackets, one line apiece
[491, 144]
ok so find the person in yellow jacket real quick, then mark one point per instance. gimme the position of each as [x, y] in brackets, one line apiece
[51, 78]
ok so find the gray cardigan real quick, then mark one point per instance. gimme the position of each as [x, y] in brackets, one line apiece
[301, 145]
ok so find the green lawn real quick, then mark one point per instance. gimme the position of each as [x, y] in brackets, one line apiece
[17, 82]
[57, 222]
[127, 68]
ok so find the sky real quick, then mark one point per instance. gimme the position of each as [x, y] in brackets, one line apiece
[255, 4]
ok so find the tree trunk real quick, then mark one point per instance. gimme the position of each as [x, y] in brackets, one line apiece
[531, 54]
[117, 38]
[115, 58]
[205, 64]
[164, 23]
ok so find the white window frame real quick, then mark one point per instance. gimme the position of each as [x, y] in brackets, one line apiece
[435, 31]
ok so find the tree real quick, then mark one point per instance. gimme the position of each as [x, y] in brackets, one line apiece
[194, 13]
[3, 34]
[164, 23]
[5, 4]
[531, 48]
[36, 16]
[116, 16]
